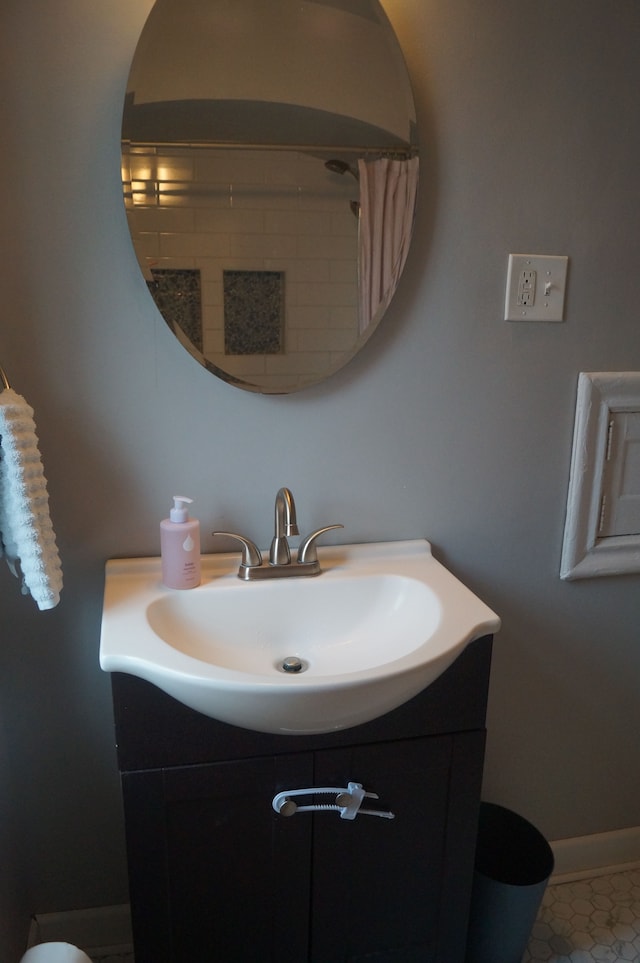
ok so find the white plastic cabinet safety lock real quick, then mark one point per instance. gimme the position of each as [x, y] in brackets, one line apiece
[347, 802]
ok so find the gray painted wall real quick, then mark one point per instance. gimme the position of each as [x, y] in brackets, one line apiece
[13, 895]
[452, 424]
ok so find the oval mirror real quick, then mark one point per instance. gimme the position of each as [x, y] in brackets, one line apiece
[270, 173]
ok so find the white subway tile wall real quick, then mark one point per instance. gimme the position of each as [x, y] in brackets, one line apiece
[250, 217]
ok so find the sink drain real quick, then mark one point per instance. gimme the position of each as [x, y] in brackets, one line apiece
[293, 664]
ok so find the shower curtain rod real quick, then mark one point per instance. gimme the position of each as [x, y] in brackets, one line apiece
[403, 153]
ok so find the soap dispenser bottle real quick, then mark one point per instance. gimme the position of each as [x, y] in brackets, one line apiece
[180, 546]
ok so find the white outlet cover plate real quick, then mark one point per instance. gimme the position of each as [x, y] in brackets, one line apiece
[550, 284]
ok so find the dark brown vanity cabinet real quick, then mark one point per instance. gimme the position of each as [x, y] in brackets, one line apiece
[217, 875]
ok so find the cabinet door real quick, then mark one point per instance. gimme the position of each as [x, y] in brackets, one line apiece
[377, 883]
[234, 877]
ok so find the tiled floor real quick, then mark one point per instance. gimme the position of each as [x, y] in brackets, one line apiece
[589, 921]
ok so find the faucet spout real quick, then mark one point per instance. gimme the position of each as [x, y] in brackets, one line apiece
[285, 524]
[286, 521]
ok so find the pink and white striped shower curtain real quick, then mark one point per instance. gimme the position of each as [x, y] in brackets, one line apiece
[387, 203]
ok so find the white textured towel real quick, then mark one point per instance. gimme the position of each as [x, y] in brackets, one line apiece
[26, 531]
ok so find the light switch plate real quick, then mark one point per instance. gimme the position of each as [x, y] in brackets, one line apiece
[535, 287]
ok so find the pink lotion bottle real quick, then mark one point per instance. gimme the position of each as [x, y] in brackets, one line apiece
[180, 546]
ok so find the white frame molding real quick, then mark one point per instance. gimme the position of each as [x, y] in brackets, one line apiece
[584, 554]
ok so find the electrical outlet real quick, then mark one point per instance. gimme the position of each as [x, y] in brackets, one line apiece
[527, 288]
[535, 287]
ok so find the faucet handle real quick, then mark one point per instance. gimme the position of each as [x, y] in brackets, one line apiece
[251, 557]
[307, 550]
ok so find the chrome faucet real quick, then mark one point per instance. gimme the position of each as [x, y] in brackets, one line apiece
[285, 524]
[280, 564]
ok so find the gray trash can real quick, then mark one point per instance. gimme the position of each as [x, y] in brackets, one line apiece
[513, 865]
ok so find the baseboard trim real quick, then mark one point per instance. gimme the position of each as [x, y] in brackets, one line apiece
[99, 931]
[600, 854]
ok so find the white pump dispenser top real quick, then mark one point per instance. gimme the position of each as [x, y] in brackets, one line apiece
[180, 511]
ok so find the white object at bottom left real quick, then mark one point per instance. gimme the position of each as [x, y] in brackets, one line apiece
[55, 953]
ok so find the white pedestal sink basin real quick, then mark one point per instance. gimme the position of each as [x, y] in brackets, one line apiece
[380, 623]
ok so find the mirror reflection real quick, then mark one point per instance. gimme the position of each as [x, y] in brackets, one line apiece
[270, 173]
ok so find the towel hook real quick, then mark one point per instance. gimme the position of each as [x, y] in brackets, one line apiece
[4, 380]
